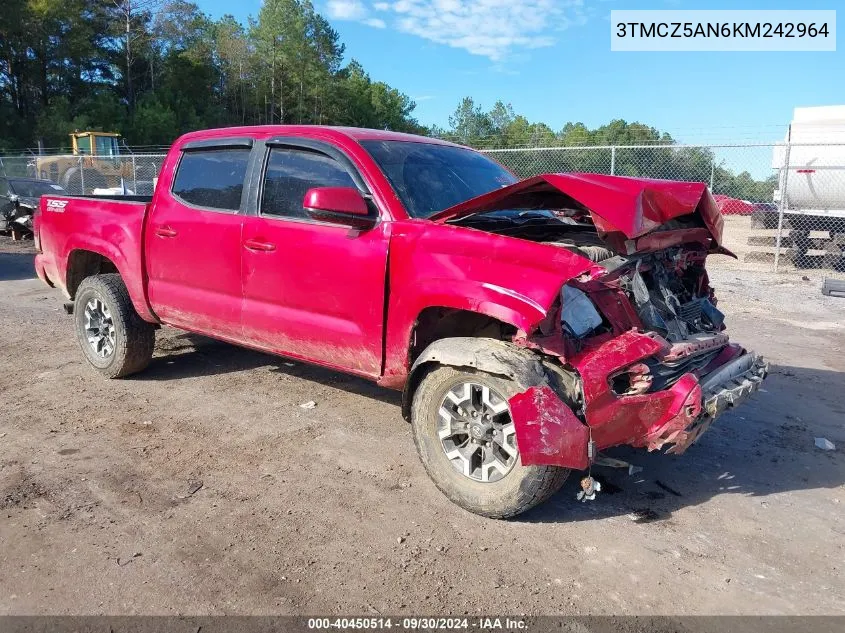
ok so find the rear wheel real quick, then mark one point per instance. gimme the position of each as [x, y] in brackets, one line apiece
[115, 340]
[467, 443]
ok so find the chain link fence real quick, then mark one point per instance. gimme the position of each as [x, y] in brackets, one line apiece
[784, 204]
[88, 175]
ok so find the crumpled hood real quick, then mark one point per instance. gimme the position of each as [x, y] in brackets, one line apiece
[631, 206]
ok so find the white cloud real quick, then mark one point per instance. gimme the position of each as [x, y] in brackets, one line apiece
[489, 28]
[346, 9]
[423, 98]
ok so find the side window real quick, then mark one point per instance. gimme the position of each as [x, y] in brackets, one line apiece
[4, 187]
[212, 178]
[291, 173]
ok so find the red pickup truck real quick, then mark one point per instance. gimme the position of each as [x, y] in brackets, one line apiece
[530, 324]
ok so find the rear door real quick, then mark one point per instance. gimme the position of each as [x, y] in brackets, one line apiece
[312, 290]
[193, 242]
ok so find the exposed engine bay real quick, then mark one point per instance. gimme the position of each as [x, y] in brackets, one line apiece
[671, 293]
[668, 288]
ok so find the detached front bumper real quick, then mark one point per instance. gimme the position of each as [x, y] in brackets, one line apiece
[732, 383]
[720, 390]
[548, 432]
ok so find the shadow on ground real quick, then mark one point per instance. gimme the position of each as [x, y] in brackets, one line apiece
[763, 448]
[14, 266]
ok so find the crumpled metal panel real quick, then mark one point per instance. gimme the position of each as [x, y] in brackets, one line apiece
[547, 431]
[631, 206]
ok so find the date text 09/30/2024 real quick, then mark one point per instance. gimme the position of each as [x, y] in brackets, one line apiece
[418, 623]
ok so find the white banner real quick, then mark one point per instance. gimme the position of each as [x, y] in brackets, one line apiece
[747, 30]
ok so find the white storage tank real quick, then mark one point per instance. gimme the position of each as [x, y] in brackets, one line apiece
[816, 182]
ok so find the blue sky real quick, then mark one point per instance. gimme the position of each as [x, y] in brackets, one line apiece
[551, 59]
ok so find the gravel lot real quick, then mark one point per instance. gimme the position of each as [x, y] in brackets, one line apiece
[329, 511]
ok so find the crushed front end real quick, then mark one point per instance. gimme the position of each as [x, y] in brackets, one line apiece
[635, 347]
[648, 345]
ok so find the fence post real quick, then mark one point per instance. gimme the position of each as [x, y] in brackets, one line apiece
[712, 171]
[782, 203]
[613, 161]
[81, 177]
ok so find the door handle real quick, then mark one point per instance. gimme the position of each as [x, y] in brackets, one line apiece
[257, 245]
[165, 231]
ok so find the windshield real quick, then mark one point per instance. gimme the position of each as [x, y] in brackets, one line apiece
[429, 178]
[34, 188]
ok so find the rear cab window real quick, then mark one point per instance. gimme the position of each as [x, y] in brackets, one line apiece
[212, 178]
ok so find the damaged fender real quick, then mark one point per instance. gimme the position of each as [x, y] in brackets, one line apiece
[547, 431]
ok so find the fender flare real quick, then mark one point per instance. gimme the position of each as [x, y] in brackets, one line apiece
[485, 354]
[105, 249]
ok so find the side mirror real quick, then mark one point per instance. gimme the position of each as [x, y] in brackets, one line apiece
[15, 200]
[339, 205]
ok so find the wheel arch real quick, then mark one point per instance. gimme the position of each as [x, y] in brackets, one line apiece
[82, 263]
[493, 356]
[97, 258]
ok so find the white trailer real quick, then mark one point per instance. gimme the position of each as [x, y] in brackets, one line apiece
[811, 188]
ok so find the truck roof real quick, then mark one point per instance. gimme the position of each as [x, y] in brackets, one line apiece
[324, 131]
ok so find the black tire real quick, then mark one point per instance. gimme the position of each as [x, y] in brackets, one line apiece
[521, 489]
[72, 181]
[134, 338]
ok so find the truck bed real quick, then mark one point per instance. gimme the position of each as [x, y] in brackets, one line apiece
[69, 227]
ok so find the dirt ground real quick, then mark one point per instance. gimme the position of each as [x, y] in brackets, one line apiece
[328, 510]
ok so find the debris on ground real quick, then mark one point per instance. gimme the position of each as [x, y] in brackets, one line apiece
[671, 491]
[589, 488]
[308, 405]
[127, 560]
[643, 515]
[612, 462]
[194, 486]
[825, 444]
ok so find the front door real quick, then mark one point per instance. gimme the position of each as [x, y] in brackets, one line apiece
[312, 290]
[193, 243]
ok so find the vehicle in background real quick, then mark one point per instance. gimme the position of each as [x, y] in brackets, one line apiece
[529, 324]
[96, 164]
[733, 206]
[811, 188]
[18, 201]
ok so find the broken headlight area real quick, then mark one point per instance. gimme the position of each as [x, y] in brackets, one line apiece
[578, 315]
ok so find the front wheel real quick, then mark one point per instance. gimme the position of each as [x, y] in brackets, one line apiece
[115, 340]
[467, 443]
